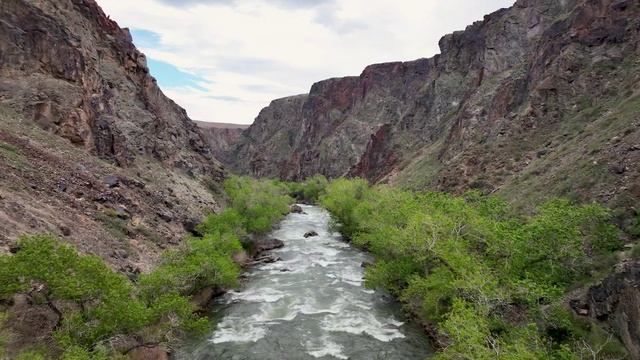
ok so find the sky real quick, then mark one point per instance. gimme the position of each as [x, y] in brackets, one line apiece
[224, 60]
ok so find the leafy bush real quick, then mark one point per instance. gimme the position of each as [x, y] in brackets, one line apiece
[342, 199]
[205, 262]
[310, 190]
[259, 203]
[108, 301]
[461, 261]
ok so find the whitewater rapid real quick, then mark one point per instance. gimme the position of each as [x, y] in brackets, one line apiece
[310, 305]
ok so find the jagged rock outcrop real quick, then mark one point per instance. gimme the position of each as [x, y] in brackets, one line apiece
[90, 147]
[536, 100]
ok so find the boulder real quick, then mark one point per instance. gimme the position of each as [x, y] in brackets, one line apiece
[202, 299]
[112, 181]
[267, 259]
[122, 212]
[241, 258]
[270, 244]
[165, 215]
[296, 209]
[14, 248]
[191, 225]
[366, 264]
[65, 230]
[311, 233]
[618, 169]
[31, 322]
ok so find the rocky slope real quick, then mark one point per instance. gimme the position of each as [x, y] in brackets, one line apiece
[90, 148]
[538, 99]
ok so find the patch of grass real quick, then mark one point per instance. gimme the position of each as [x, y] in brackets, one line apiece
[148, 234]
[635, 252]
[422, 169]
[113, 224]
[602, 343]
[12, 154]
[36, 353]
[5, 335]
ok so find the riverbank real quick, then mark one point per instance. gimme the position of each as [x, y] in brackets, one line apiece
[485, 280]
[57, 303]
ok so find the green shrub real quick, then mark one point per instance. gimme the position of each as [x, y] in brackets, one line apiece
[308, 191]
[228, 221]
[259, 203]
[342, 199]
[32, 354]
[157, 307]
[205, 262]
[109, 301]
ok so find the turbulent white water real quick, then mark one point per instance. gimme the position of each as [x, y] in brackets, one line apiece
[310, 305]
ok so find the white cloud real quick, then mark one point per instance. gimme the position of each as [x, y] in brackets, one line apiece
[254, 51]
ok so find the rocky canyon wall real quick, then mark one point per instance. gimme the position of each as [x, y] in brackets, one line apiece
[90, 147]
[544, 90]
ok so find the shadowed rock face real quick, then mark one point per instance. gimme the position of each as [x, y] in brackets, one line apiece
[525, 102]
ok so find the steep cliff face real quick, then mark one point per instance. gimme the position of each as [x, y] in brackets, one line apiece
[90, 148]
[540, 98]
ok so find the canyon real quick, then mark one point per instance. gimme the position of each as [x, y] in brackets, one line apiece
[537, 100]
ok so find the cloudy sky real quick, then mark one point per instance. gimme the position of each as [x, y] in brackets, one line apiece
[224, 60]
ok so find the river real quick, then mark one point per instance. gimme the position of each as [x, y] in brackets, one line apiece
[310, 305]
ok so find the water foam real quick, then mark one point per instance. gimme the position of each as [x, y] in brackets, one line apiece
[325, 347]
[359, 323]
[240, 330]
[259, 295]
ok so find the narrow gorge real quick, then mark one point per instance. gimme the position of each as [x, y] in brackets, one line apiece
[480, 203]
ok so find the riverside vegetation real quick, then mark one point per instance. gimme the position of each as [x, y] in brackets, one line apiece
[97, 306]
[491, 283]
